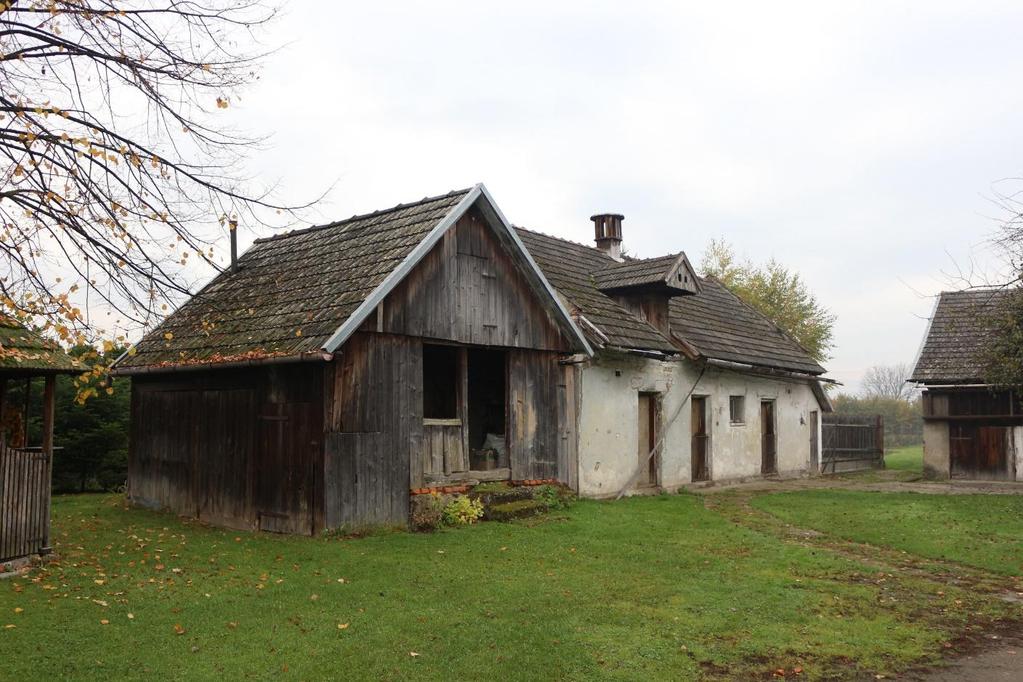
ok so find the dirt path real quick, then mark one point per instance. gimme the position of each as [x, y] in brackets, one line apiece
[992, 654]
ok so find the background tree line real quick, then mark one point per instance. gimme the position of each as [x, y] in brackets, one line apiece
[886, 392]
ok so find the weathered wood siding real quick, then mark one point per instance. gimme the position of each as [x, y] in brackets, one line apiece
[469, 290]
[375, 423]
[238, 448]
[533, 414]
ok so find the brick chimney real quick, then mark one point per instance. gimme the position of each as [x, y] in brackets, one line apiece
[607, 229]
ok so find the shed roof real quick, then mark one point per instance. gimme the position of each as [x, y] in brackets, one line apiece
[714, 322]
[298, 294]
[25, 352]
[959, 331]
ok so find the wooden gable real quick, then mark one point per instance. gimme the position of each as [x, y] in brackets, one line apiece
[470, 289]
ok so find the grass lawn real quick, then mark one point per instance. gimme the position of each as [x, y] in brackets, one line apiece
[985, 531]
[643, 588]
[905, 459]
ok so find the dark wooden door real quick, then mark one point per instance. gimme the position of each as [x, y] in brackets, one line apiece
[979, 452]
[814, 443]
[701, 440]
[287, 448]
[768, 439]
[647, 439]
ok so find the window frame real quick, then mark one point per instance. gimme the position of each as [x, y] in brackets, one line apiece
[741, 399]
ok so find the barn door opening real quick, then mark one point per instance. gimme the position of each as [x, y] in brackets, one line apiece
[814, 444]
[701, 440]
[768, 439]
[487, 409]
[648, 436]
[979, 452]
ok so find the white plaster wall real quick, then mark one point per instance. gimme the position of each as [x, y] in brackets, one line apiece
[936, 456]
[609, 416]
[1017, 450]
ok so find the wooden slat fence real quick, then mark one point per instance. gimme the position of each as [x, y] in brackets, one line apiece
[852, 442]
[24, 502]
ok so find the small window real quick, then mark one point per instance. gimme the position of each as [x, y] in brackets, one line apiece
[440, 382]
[737, 409]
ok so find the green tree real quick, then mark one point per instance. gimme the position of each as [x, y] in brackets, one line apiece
[777, 292]
[1003, 357]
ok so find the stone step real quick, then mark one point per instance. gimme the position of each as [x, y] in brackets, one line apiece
[516, 509]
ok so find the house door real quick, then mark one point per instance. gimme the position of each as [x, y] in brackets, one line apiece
[768, 439]
[979, 452]
[647, 439]
[814, 443]
[701, 440]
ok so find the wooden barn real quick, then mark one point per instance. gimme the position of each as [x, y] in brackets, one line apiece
[972, 430]
[26, 467]
[331, 370]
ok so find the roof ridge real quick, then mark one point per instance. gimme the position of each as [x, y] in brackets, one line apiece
[566, 241]
[360, 216]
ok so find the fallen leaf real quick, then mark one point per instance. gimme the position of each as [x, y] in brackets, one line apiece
[413, 654]
[18, 609]
[10, 626]
[178, 630]
[232, 625]
[343, 626]
[131, 616]
[104, 622]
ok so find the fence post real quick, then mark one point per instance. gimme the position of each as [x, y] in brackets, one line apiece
[879, 439]
[48, 405]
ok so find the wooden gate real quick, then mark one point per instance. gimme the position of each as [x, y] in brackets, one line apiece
[852, 442]
[24, 502]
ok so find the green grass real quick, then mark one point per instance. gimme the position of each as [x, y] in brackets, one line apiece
[638, 589]
[985, 531]
[905, 459]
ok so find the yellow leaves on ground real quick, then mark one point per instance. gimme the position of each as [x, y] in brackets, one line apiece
[168, 336]
[178, 630]
[343, 626]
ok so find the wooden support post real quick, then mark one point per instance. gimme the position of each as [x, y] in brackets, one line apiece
[24, 416]
[48, 408]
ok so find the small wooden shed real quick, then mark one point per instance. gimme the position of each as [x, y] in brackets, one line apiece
[26, 468]
[972, 430]
[331, 371]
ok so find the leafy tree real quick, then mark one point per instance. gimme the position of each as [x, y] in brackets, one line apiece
[903, 424]
[120, 169]
[1003, 357]
[777, 292]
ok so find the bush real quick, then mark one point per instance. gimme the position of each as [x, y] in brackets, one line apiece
[427, 512]
[463, 511]
[553, 496]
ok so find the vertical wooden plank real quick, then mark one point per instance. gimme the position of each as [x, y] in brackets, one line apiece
[48, 407]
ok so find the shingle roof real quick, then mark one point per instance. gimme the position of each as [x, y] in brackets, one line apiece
[26, 351]
[721, 326]
[716, 323]
[637, 272]
[570, 268]
[291, 291]
[959, 331]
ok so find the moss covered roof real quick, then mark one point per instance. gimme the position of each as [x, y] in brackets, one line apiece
[24, 350]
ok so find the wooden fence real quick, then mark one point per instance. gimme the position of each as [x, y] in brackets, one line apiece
[24, 502]
[852, 442]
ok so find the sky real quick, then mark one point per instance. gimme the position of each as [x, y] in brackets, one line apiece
[858, 143]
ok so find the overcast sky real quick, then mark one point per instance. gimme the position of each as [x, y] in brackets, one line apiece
[857, 144]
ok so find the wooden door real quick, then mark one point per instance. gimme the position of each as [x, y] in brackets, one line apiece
[286, 450]
[647, 439]
[768, 439]
[814, 445]
[701, 440]
[979, 452]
